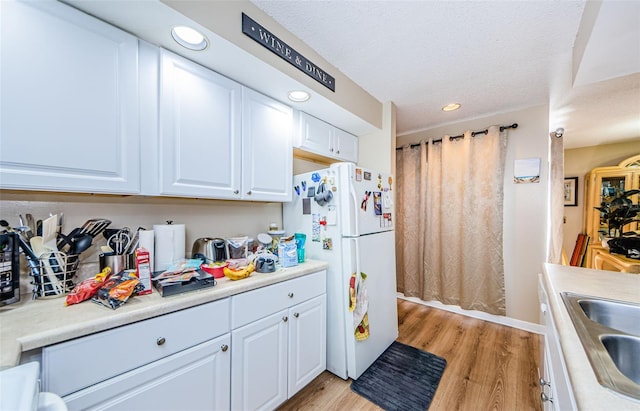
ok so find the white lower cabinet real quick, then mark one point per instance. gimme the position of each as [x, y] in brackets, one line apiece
[152, 364]
[277, 354]
[250, 351]
[193, 379]
[556, 393]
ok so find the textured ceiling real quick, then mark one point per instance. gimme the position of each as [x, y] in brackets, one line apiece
[490, 56]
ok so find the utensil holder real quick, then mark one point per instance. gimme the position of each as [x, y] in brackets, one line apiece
[53, 274]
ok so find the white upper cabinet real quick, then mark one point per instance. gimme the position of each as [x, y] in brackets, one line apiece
[219, 139]
[267, 150]
[345, 145]
[320, 138]
[69, 101]
[200, 131]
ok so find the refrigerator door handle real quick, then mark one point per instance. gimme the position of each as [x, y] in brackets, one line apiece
[353, 210]
[356, 244]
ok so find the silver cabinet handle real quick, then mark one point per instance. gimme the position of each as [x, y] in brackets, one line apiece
[224, 347]
[545, 398]
[285, 318]
[338, 152]
[161, 341]
[249, 192]
[331, 150]
[236, 191]
[290, 295]
[296, 315]
[544, 383]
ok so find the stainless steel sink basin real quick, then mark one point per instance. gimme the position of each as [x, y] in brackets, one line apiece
[619, 316]
[610, 334]
[624, 350]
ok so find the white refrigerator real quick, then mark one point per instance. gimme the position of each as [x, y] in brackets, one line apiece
[347, 215]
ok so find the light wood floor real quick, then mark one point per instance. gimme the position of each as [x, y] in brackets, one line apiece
[489, 366]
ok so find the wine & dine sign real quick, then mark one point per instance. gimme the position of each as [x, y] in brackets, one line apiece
[263, 36]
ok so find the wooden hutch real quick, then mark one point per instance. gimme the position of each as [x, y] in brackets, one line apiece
[601, 185]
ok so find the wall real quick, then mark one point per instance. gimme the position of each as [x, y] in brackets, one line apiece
[224, 19]
[202, 218]
[577, 163]
[525, 205]
[377, 150]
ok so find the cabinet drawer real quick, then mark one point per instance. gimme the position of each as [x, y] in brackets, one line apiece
[166, 384]
[256, 304]
[76, 364]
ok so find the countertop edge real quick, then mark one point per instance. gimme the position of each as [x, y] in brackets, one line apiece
[588, 393]
[25, 326]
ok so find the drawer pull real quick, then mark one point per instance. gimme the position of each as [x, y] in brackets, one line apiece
[545, 398]
[296, 315]
[224, 347]
[161, 341]
[236, 191]
[285, 319]
[544, 383]
[290, 295]
[249, 192]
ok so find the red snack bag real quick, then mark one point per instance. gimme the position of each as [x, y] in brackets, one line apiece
[87, 288]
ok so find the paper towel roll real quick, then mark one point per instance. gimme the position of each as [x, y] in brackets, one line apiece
[147, 241]
[169, 244]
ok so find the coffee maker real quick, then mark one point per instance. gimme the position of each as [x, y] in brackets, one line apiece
[9, 269]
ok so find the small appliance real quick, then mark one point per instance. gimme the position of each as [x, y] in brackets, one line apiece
[9, 269]
[209, 249]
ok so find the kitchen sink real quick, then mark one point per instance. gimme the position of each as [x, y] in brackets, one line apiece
[609, 331]
[623, 317]
[624, 350]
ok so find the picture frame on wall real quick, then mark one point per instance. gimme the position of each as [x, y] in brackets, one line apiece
[571, 191]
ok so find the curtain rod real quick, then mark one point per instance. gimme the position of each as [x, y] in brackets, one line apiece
[473, 134]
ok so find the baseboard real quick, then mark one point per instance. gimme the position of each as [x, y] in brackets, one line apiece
[498, 319]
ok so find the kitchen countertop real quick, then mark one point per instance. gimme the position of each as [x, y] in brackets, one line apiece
[588, 393]
[31, 324]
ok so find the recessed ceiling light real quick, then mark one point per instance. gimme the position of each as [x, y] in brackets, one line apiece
[451, 107]
[299, 96]
[189, 38]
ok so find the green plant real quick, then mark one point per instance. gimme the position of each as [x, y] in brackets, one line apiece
[619, 212]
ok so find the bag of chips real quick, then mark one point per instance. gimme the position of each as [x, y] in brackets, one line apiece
[87, 288]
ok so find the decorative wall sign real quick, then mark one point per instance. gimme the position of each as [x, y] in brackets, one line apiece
[263, 36]
[526, 171]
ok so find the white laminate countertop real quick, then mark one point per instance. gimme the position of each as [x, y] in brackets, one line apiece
[588, 393]
[31, 324]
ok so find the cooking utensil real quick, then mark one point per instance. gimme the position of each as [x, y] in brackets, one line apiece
[50, 232]
[135, 240]
[31, 223]
[120, 241]
[40, 250]
[94, 226]
[80, 243]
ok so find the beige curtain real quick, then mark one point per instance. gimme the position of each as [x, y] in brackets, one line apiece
[449, 232]
[556, 196]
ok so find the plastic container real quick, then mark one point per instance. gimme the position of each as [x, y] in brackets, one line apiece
[216, 270]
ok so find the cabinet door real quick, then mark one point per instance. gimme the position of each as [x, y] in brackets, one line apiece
[315, 135]
[200, 114]
[69, 118]
[259, 357]
[193, 379]
[307, 342]
[267, 151]
[345, 146]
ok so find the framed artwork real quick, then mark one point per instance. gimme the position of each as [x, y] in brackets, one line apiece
[571, 191]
